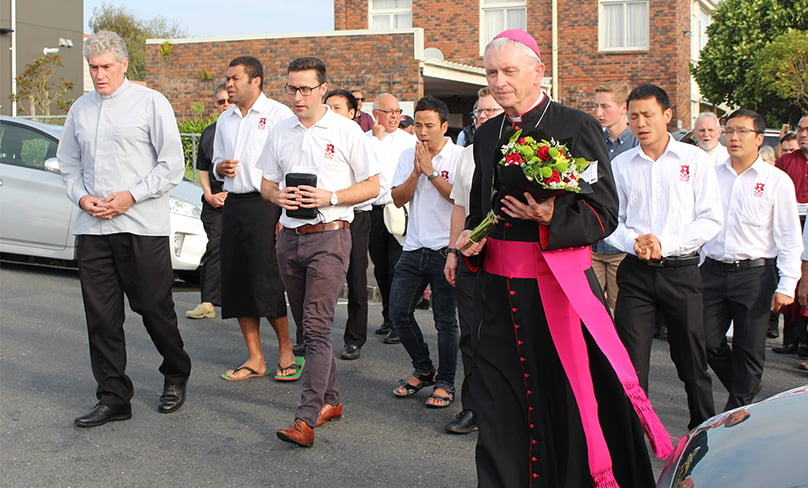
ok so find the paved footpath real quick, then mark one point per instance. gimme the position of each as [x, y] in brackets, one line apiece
[224, 436]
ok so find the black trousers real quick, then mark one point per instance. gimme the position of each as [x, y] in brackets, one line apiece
[210, 270]
[743, 298]
[140, 267]
[384, 252]
[676, 294]
[469, 315]
[356, 328]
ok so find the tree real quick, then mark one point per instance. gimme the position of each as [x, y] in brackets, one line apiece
[782, 66]
[134, 32]
[739, 31]
[34, 85]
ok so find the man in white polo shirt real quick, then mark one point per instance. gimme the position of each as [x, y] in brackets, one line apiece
[314, 252]
[424, 178]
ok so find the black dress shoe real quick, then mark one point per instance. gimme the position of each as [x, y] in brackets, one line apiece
[464, 423]
[299, 350]
[350, 351]
[802, 351]
[788, 349]
[101, 414]
[392, 337]
[384, 329]
[172, 398]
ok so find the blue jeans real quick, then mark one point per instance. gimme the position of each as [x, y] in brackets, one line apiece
[414, 270]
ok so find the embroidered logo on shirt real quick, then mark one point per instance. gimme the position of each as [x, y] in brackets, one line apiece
[445, 175]
[684, 172]
[329, 151]
[262, 123]
[758, 189]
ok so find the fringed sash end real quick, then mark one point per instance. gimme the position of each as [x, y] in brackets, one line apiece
[604, 479]
[657, 435]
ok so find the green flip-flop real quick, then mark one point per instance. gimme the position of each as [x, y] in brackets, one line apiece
[298, 366]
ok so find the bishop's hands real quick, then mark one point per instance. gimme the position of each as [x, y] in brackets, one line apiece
[541, 212]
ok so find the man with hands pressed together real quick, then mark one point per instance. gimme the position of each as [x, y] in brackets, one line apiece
[314, 253]
[670, 205]
[424, 178]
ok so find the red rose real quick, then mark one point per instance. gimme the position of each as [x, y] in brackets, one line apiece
[513, 159]
[555, 178]
[544, 153]
[521, 140]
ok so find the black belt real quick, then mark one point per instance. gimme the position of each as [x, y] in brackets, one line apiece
[251, 194]
[673, 261]
[743, 263]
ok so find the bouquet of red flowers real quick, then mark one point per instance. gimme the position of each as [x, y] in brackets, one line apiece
[540, 167]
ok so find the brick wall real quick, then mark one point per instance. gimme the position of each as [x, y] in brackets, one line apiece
[455, 31]
[365, 61]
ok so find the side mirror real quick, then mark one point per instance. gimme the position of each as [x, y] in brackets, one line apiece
[52, 165]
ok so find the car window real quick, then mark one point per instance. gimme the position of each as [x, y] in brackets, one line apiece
[22, 146]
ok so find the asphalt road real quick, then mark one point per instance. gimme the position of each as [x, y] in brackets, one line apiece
[224, 436]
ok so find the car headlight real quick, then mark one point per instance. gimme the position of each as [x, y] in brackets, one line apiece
[181, 207]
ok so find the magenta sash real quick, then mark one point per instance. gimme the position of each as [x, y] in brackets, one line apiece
[568, 300]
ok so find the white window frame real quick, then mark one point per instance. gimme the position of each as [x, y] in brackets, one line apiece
[500, 5]
[391, 13]
[625, 46]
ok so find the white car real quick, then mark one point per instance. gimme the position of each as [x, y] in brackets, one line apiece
[36, 217]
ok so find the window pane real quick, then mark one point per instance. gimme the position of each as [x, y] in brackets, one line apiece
[637, 23]
[612, 26]
[486, 3]
[380, 22]
[494, 23]
[403, 21]
[516, 18]
[390, 4]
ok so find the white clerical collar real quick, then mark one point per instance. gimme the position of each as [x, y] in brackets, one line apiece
[518, 119]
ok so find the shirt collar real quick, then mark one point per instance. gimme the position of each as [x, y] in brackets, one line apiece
[517, 120]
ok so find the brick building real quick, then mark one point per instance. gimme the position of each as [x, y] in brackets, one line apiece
[413, 48]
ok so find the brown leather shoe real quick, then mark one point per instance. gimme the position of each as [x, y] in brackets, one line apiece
[299, 433]
[329, 412]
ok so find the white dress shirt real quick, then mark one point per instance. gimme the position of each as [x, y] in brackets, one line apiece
[760, 220]
[676, 198]
[390, 148]
[243, 139]
[718, 154]
[430, 213]
[128, 140]
[334, 148]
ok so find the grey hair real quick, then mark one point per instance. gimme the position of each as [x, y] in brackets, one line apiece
[105, 41]
[501, 42]
[707, 115]
[768, 150]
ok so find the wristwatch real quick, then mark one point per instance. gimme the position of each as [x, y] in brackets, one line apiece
[452, 250]
[434, 174]
[334, 200]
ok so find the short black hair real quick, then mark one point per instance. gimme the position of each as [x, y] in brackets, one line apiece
[307, 63]
[757, 121]
[353, 104]
[405, 121]
[789, 136]
[649, 90]
[252, 66]
[435, 105]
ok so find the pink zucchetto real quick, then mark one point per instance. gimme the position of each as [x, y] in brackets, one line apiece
[522, 37]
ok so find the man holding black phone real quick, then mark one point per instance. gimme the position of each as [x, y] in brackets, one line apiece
[314, 248]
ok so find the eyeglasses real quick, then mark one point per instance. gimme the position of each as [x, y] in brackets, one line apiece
[360, 99]
[221, 101]
[304, 90]
[390, 111]
[488, 111]
[801, 129]
[741, 131]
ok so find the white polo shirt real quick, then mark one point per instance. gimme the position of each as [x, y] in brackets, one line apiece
[334, 148]
[390, 148]
[430, 212]
[243, 138]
